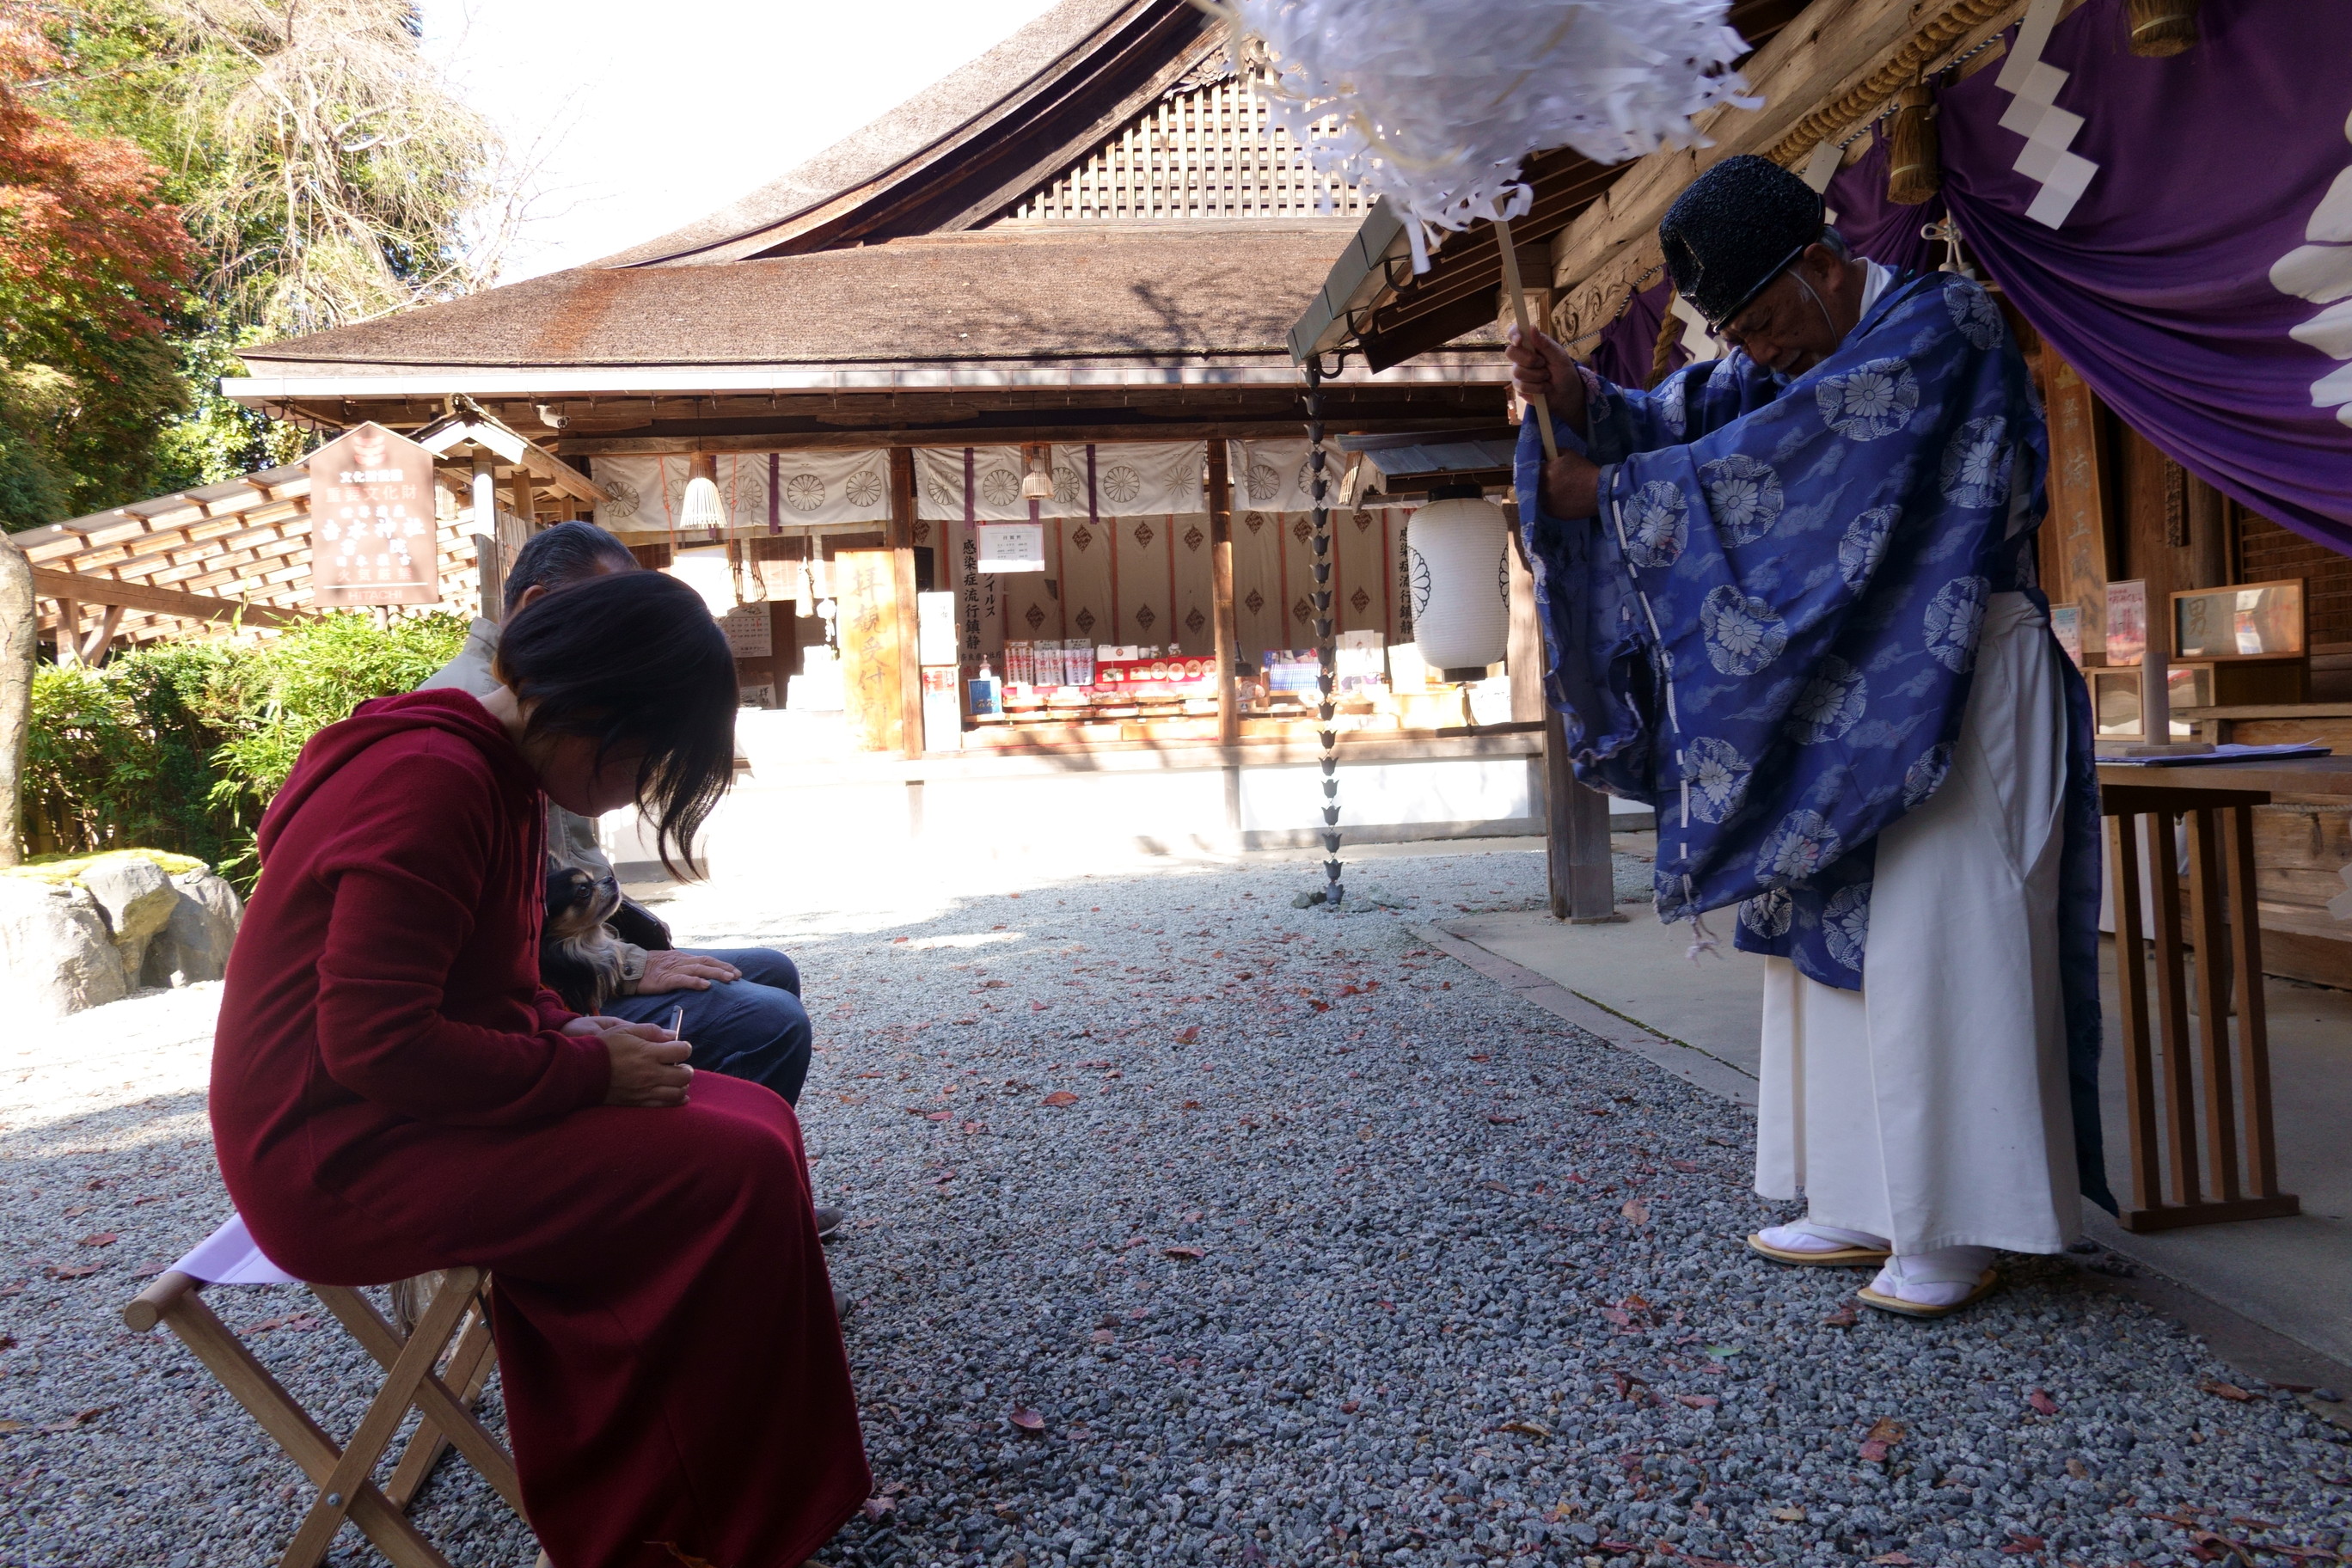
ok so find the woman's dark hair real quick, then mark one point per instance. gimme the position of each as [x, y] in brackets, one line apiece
[633, 660]
[560, 556]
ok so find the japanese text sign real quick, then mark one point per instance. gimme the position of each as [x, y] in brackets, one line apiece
[373, 537]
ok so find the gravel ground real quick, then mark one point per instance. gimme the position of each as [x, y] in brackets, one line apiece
[1189, 1226]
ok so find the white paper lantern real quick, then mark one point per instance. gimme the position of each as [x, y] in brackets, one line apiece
[1458, 553]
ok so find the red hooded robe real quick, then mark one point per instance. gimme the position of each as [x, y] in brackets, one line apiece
[392, 1093]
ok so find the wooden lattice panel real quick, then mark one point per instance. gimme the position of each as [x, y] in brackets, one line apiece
[1210, 151]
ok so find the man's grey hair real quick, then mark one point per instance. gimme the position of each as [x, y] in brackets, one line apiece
[560, 556]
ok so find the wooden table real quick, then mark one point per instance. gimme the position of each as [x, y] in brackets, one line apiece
[2216, 1085]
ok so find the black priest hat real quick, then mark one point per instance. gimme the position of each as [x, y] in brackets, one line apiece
[1733, 231]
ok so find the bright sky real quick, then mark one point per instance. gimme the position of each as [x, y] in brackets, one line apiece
[647, 117]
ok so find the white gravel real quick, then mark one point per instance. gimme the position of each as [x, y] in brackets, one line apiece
[1469, 1284]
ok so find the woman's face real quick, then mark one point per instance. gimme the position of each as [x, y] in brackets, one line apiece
[570, 773]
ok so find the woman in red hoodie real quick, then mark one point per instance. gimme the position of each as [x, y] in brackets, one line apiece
[393, 1092]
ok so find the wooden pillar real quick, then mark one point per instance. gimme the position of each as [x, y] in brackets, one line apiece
[2209, 535]
[1221, 592]
[1583, 883]
[20, 632]
[69, 632]
[486, 537]
[520, 487]
[901, 535]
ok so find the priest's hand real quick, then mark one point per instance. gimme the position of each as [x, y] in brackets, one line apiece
[648, 1064]
[1540, 368]
[1571, 487]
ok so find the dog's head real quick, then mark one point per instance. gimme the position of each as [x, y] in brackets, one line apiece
[578, 904]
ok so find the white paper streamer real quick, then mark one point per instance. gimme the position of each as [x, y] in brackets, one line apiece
[1437, 100]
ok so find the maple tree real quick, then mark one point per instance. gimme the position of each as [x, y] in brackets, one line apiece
[93, 266]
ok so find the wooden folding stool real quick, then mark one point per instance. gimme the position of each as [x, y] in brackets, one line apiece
[414, 1378]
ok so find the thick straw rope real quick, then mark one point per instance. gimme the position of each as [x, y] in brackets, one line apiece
[1888, 79]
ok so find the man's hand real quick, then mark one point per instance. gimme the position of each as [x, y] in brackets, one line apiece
[649, 1066]
[1540, 368]
[671, 970]
[1571, 487]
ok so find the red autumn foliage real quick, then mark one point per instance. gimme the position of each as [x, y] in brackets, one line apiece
[81, 226]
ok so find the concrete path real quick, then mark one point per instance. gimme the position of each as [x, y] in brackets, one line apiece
[2292, 1276]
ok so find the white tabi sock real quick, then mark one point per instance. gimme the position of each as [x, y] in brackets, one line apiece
[1938, 1279]
[1811, 1236]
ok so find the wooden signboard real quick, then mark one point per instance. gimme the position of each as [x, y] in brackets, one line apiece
[2075, 563]
[373, 537]
[867, 588]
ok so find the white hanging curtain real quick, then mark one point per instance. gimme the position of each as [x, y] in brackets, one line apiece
[1102, 479]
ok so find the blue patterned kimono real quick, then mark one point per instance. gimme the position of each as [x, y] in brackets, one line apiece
[1769, 632]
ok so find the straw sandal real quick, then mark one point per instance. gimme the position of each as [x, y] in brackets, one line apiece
[1987, 1283]
[1847, 1257]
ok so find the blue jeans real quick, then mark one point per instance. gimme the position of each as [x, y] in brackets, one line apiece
[752, 1028]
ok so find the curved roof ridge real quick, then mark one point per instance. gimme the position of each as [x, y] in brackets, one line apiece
[940, 110]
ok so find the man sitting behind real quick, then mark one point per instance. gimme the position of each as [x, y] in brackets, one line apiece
[742, 1005]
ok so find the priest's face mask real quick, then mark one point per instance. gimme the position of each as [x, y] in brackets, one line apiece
[1794, 322]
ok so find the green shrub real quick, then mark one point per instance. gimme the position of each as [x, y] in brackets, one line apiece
[181, 745]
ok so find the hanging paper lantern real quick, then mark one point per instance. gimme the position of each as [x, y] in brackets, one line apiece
[1458, 553]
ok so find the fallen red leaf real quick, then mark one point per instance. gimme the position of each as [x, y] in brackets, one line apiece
[940, 1116]
[1687, 1165]
[2226, 1390]
[1192, 1253]
[1698, 1401]
[1190, 1105]
[1103, 1337]
[876, 1507]
[1028, 1420]
[1842, 1318]
[1189, 1037]
[1501, 1121]
[2041, 1400]
[79, 1418]
[2019, 1545]
[101, 1239]
[1897, 1560]
[71, 1272]
[1874, 1453]
[1635, 1210]
[1616, 1317]
[1060, 1097]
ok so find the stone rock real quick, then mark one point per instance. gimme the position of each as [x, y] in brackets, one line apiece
[57, 953]
[195, 945]
[137, 897]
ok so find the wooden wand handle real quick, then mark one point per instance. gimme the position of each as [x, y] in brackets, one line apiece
[1520, 310]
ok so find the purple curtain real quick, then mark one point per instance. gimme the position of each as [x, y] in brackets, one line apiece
[1627, 343]
[2212, 169]
[1883, 230]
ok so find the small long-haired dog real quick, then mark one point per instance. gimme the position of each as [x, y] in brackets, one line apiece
[577, 958]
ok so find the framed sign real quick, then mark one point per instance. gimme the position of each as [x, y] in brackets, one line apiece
[2253, 620]
[2126, 622]
[1011, 546]
[373, 537]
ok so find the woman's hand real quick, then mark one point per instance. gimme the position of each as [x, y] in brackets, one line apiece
[648, 1063]
[668, 969]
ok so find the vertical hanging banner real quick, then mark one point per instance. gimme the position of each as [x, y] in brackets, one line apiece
[372, 530]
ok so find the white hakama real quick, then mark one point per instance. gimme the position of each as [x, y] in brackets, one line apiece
[1931, 1107]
